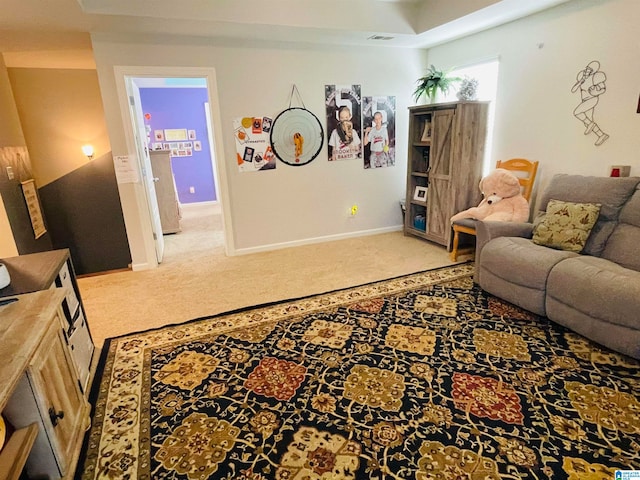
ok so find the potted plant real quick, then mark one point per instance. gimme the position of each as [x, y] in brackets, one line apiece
[433, 81]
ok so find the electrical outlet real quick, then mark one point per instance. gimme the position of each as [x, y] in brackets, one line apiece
[10, 175]
[192, 189]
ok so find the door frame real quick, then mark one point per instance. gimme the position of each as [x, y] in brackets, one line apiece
[136, 117]
[217, 149]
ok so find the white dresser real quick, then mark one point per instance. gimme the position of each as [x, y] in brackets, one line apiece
[39, 392]
[54, 269]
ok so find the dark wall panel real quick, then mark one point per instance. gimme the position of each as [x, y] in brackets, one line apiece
[85, 215]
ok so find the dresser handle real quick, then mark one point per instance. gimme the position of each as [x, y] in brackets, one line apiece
[55, 416]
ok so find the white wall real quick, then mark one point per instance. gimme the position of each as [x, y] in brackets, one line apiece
[291, 204]
[540, 57]
[10, 136]
[60, 110]
[8, 246]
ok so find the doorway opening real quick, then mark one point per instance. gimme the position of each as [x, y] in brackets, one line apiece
[175, 144]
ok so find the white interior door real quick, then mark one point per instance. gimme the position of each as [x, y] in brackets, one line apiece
[148, 181]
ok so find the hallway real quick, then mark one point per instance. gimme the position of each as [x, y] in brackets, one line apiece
[201, 233]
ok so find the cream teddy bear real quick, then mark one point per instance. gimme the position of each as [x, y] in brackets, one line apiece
[502, 202]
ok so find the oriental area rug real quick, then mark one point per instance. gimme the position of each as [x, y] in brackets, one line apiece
[418, 377]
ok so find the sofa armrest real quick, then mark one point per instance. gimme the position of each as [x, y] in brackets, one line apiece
[486, 231]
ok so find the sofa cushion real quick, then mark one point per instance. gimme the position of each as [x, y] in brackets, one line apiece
[565, 225]
[516, 270]
[617, 337]
[520, 261]
[622, 246]
[527, 298]
[631, 211]
[610, 192]
[597, 287]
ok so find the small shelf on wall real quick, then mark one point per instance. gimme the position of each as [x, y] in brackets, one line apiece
[14, 454]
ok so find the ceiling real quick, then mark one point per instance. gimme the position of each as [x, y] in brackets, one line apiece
[33, 31]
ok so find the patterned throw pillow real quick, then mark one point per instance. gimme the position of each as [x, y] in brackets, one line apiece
[566, 225]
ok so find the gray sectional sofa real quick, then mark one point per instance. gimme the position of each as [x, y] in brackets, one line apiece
[595, 292]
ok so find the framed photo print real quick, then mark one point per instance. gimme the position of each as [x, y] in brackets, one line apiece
[248, 154]
[175, 134]
[420, 194]
[33, 206]
[266, 124]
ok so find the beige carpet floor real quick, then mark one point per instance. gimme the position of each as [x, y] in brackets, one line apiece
[197, 279]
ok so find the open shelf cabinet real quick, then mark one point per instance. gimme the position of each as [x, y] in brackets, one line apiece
[446, 150]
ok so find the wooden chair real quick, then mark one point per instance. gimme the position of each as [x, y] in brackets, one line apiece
[525, 170]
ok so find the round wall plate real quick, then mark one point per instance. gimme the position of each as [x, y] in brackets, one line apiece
[296, 136]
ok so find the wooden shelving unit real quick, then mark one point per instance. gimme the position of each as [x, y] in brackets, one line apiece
[446, 150]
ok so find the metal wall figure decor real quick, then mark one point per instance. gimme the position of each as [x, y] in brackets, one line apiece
[591, 84]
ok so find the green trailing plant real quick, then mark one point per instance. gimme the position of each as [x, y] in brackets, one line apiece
[433, 81]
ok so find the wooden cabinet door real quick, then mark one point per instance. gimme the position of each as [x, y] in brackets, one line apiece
[439, 194]
[58, 396]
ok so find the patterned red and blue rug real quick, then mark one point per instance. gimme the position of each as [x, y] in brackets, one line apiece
[418, 377]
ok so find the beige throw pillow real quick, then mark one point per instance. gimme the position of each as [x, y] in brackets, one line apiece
[566, 225]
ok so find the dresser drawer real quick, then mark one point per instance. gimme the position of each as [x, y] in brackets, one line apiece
[81, 347]
[64, 280]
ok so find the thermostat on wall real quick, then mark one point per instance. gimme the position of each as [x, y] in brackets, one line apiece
[620, 170]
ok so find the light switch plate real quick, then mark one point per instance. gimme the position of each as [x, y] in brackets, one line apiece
[10, 173]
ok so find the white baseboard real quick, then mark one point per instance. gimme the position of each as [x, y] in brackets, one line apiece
[196, 205]
[309, 241]
[199, 208]
[137, 267]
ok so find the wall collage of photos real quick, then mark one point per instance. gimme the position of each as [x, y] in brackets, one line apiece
[357, 128]
[180, 142]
